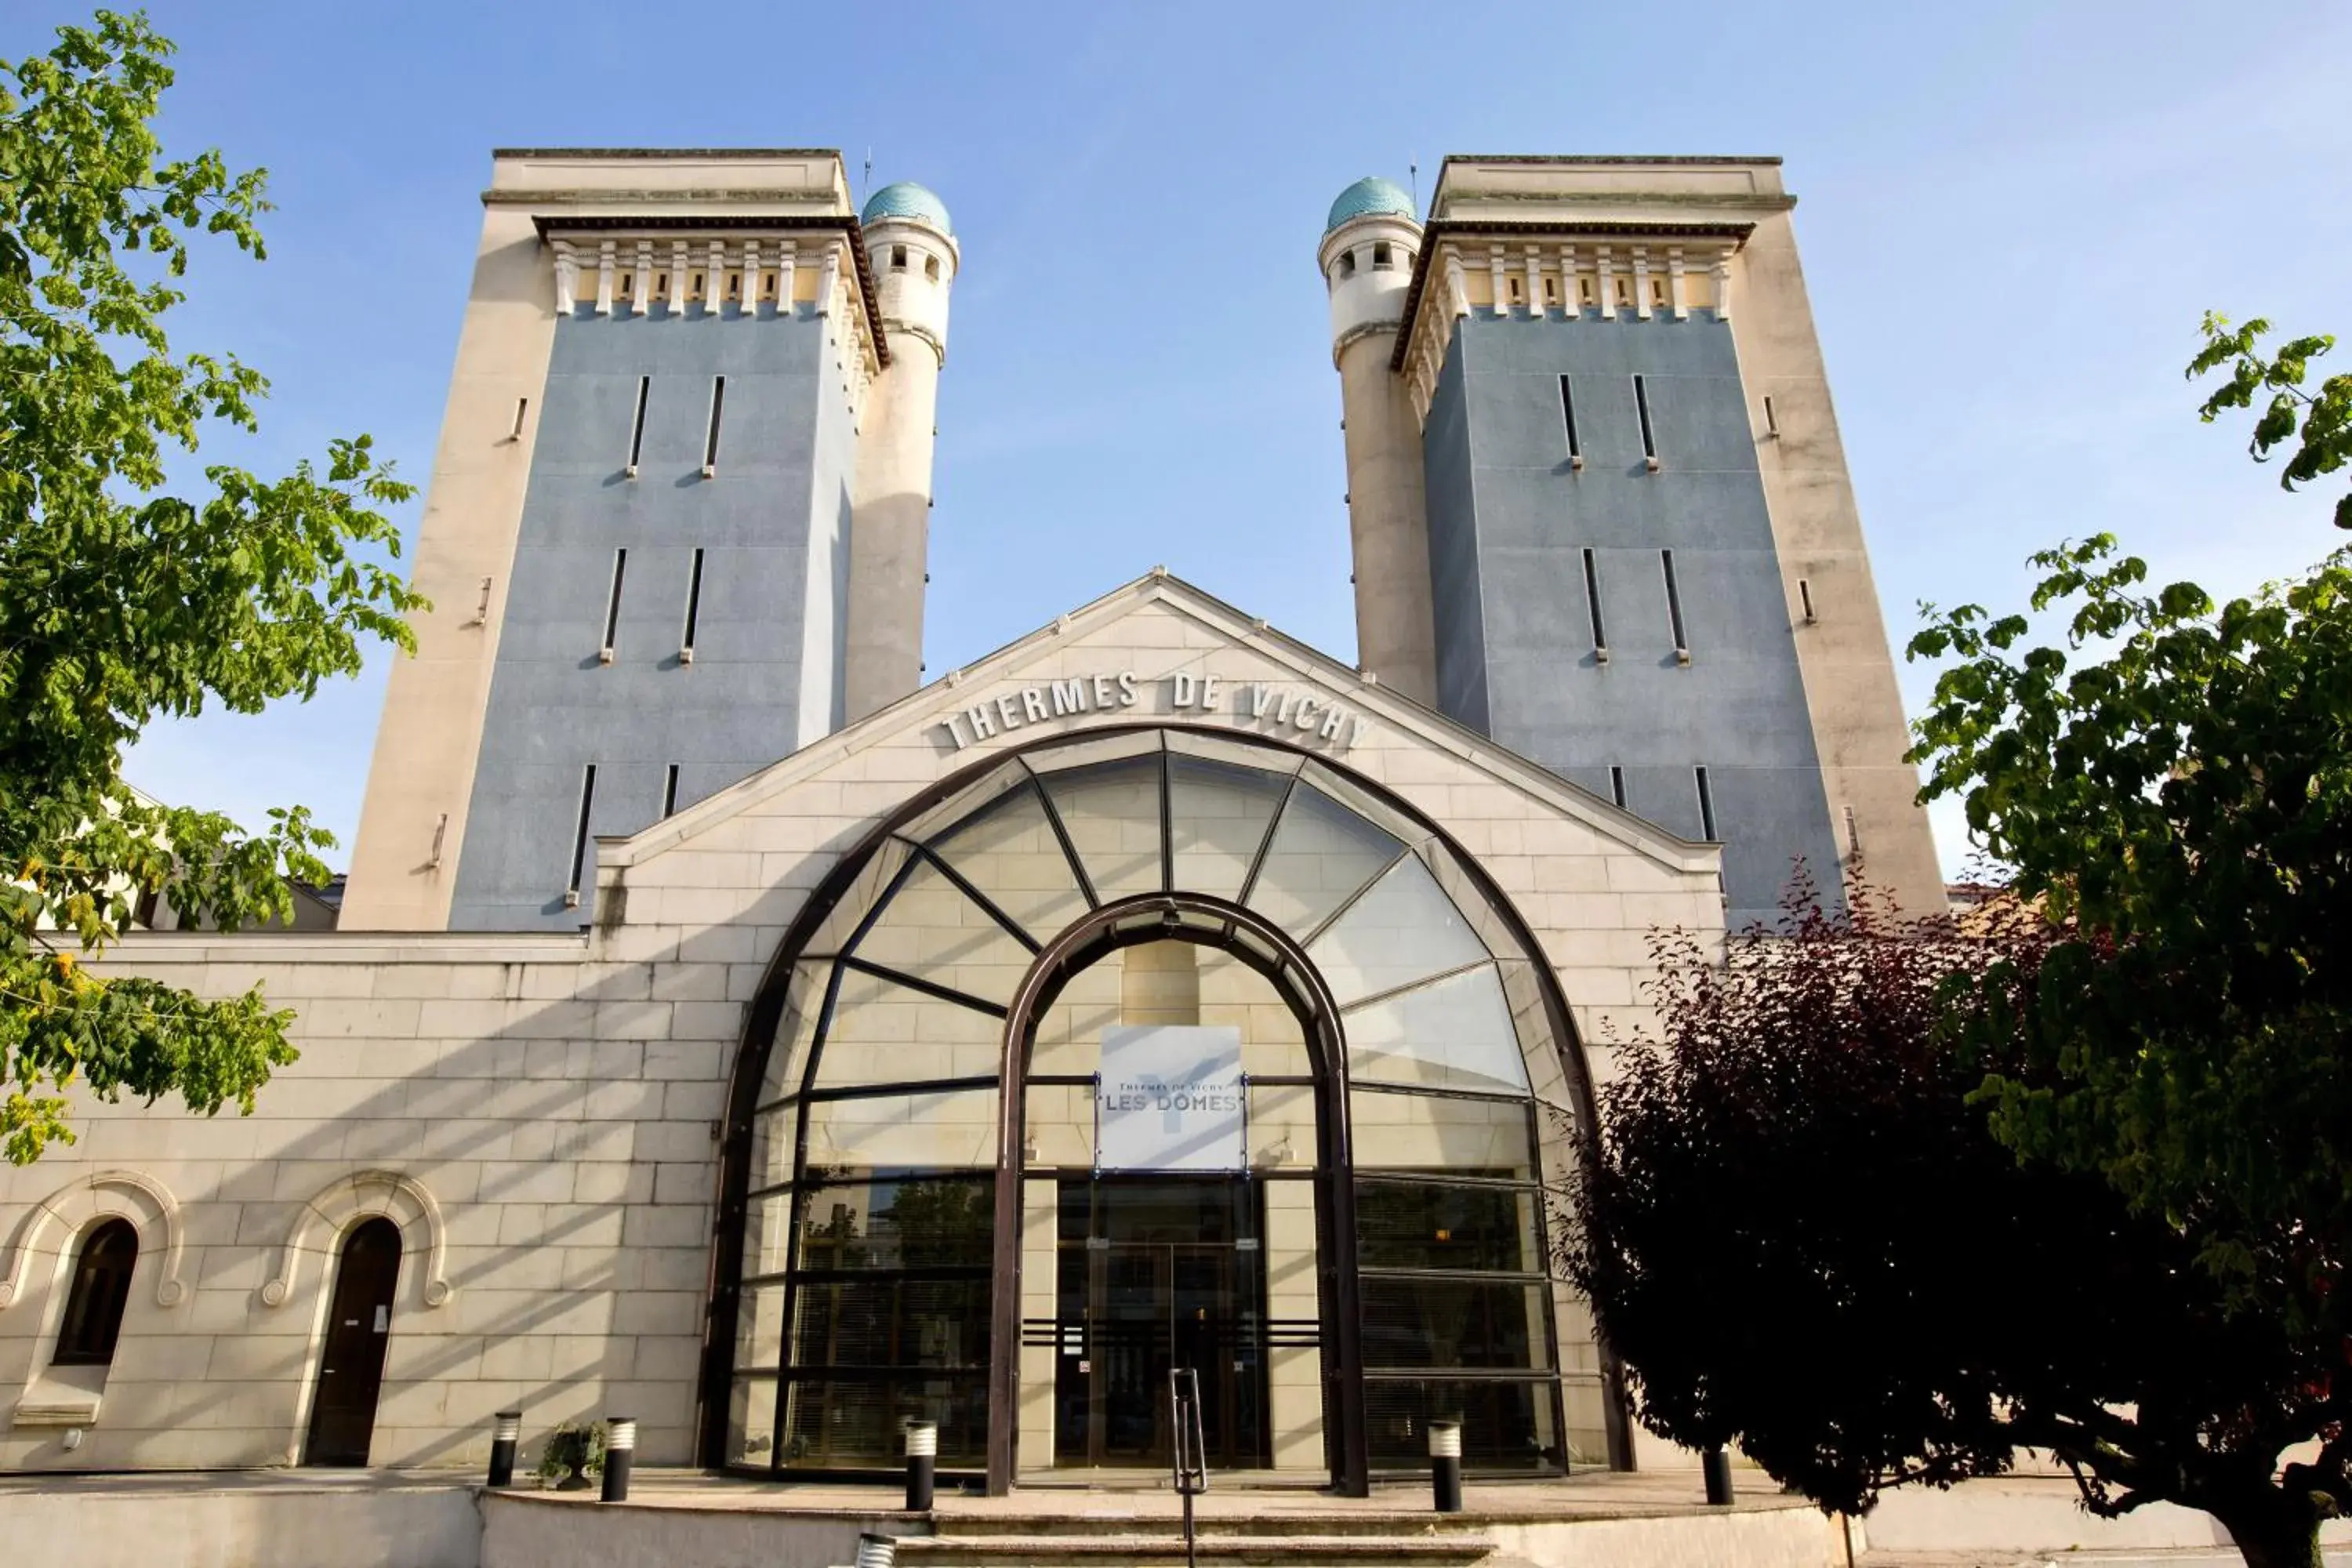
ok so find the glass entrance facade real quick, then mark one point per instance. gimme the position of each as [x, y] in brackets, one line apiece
[927, 1232]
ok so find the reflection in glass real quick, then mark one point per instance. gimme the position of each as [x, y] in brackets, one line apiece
[903, 1132]
[1453, 1033]
[1435, 1133]
[1217, 814]
[1320, 854]
[1009, 850]
[932, 930]
[882, 1032]
[1402, 930]
[1111, 812]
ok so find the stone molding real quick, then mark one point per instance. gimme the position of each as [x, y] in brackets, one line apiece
[360, 1195]
[75, 1205]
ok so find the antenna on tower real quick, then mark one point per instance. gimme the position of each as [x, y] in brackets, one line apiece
[1413, 173]
[869, 170]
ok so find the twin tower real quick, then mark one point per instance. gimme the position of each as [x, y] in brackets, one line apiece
[677, 522]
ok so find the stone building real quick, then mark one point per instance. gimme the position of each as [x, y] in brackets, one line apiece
[727, 1031]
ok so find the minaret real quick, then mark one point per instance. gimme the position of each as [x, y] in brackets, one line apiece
[1368, 246]
[914, 255]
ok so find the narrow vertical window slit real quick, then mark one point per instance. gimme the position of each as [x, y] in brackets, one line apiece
[1805, 599]
[1705, 806]
[1772, 419]
[710, 438]
[1674, 604]
[612, 601]
[1568, 417]
[1642, 406]
[522, 410]
[693, 603]
[1592, 604]
[669, 791]
[580, 835]
[637, 424]
[1617, 785]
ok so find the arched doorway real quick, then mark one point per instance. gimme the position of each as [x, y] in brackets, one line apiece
[358, 1333]
[898, 1214]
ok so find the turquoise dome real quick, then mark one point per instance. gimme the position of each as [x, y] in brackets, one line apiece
[904, 198]
[1370, 196]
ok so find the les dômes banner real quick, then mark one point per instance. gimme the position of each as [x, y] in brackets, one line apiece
[1296, 713]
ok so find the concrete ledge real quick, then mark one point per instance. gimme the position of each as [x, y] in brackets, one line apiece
[103, 1522]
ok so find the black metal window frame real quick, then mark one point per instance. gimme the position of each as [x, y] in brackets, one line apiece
[1290, 971]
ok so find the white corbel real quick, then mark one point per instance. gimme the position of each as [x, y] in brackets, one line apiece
[786, 253]
[641, 292]
[828, 280]
[1641, 282]
[1457, 285]
[751, 279]
[567, 277]
[1534, 283]
[1606, 273]
[1495, 273]
[1722, 287]
[605, 278]
[677, 265]
[1678, 284]
[714, 293]
[1568, 282]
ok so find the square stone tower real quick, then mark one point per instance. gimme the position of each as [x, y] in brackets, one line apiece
[1601, 508]
[676, 437]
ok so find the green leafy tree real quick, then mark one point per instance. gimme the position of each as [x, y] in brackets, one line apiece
[127, 599]
[2318, 424]
[2171, 782]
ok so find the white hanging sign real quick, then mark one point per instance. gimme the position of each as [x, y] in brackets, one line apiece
[1170, 1096]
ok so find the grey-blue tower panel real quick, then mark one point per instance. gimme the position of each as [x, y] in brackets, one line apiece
[1510, 518]
[782, 475]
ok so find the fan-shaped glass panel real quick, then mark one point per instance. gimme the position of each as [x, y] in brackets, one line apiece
[795, 1028]
[882, 1032]
[1453, 1033]
[1402, 930]
[1442, 1133]
[1009, 850]
[1111, 812]
[1320, 854]
[932, 930]
[873, 879]
[1217, 816]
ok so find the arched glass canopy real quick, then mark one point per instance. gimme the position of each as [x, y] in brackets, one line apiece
[871, 1262]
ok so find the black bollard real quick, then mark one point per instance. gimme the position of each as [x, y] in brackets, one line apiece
[620, 1452]
[1445, 1465]
[503, 1437]
[1716, 1465]
[922, 1463]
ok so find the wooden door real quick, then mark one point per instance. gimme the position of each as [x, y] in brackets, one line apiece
[359, 1326]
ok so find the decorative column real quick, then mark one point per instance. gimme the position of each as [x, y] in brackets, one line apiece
[1641, 282]
[1568, 283]
[641, 295]
[785, 255]
[1600, 265]
[567, 278]
[714, 293]
[1457, 285]
[1534, 283]
[677, 280]
[1678, 284]
[1722, 287]
[1494, 272]
[605, 278]
[751, 279]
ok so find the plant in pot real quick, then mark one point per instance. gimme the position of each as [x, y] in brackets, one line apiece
[574, 1451]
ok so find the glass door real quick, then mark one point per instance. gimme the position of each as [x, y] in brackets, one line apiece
[1154, 1274]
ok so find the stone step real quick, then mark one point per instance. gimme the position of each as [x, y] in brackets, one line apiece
[968, 1549]
[1165, 1520]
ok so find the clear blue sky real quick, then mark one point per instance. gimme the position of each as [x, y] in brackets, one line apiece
[2011, 217]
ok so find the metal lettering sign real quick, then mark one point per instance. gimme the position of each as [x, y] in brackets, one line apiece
[1170, 1096]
